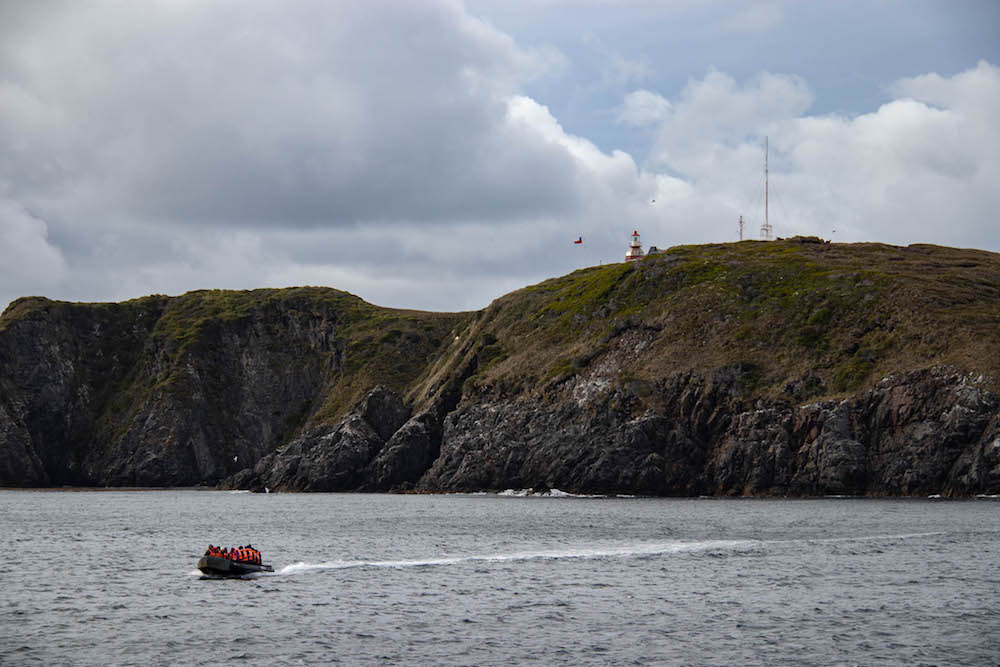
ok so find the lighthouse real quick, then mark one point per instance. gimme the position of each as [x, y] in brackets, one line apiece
[634, 248]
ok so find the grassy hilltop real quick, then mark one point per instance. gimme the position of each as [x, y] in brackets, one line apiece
[795, 316]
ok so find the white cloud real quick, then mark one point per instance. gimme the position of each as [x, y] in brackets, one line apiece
[644, 107]
[922, 168]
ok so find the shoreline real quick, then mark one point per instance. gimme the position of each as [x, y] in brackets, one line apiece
[506, 493]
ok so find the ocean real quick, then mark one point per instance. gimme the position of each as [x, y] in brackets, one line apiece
[109, 577]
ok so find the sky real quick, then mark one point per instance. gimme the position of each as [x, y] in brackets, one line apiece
[437, 154]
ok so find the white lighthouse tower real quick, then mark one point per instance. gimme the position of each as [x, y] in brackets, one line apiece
[634, 248]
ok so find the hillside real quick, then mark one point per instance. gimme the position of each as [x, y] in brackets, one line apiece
[793, 317]
[168, 391]
[790, 367]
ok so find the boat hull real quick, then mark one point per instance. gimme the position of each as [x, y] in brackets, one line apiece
[223, 567]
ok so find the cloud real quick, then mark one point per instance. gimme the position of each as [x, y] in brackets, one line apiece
[29, 263]
[255, 114]
[394, 150]
[756, 18]
[644, 107]
[921, 168]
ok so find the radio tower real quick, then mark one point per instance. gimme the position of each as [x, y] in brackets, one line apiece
[766, 233]
[741, 228]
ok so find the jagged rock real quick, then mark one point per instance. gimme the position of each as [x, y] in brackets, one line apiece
[408, 454]
[327, 459]
[918, 433]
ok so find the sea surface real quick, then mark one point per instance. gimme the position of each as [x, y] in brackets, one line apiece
[109, 577]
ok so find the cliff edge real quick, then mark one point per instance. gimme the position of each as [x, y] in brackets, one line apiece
[787, 368]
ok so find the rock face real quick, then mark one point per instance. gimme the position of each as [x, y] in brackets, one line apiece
[925, 432]
[190, 390]
[737, 369]
[332, 459]
[934, 431]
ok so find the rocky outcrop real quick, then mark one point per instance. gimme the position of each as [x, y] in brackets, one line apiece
[925, 432]
[928, 432]
[331, 459]
[191, 390]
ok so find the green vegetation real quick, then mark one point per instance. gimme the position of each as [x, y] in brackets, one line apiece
[825, 318]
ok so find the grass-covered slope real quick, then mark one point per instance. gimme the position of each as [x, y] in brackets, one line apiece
[796, 318]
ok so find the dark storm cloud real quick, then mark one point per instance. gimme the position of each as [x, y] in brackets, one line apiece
[305, 114]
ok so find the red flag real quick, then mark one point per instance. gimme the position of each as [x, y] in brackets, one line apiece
[579, 240]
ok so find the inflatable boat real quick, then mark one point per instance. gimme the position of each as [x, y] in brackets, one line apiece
[216, 566]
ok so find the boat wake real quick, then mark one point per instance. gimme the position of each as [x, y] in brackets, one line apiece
[641, 550]
[626, 551]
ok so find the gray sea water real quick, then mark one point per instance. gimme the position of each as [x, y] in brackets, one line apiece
[108, 577]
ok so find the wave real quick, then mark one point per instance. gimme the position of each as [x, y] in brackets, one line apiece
[550, 493]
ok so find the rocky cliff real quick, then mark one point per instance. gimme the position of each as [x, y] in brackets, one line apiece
[786, 368]
[188, 390]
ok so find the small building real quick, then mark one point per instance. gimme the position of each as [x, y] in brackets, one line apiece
[653, 250]
[634, 248]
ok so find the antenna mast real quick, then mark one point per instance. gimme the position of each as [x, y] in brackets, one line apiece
[765, 229]
[741, 228]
